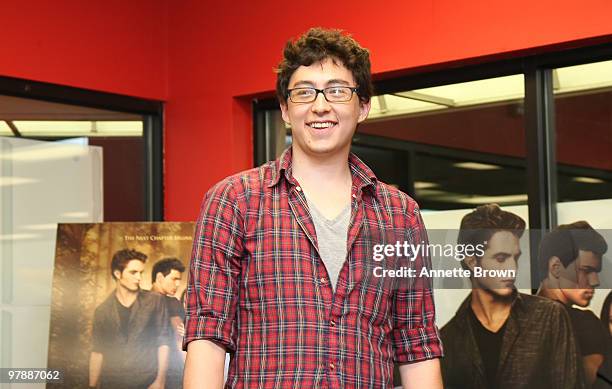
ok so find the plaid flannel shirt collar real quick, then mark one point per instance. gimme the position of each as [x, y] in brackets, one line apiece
[363, 176]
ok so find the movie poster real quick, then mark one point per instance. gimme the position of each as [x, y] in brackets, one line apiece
[84, 285]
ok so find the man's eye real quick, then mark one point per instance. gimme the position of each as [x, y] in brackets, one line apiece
[304, 92]
[336, 91]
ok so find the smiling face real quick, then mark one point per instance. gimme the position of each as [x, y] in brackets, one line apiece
[502, 253]
[320, 128]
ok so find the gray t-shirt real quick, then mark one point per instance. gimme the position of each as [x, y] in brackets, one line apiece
[331, 238]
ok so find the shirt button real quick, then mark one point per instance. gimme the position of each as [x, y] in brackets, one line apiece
[354, 196]
[332, 323]
[298, 188]
[332, 366]
[323, 280]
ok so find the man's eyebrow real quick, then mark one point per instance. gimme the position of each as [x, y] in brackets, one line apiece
[303, 83]
[337, 81]
[307, 83]
[591, 268]
[502, 253]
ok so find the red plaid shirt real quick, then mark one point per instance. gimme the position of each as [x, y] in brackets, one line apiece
[258, 287]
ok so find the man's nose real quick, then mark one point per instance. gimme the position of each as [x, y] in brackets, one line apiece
[320, 104]
[593, 280]
[512, 264]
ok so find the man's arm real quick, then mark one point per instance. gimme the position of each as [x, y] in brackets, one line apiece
[162, 367]
[204, 365]
[179, 332]
[415, 336]
[423, 374]
[211, 301]
[591, 364]
[592, 341]
[95, 367]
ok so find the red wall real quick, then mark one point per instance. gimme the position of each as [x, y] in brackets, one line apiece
[108, 45]
[200, 55]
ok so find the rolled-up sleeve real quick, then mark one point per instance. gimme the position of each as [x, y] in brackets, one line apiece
[214, 272]
[415, 335]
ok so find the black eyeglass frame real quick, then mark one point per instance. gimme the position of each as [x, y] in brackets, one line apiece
[354, 90]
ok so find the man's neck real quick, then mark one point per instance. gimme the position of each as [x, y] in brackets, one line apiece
[125, 296]
[326, 181]
[491, 310]
[331, 169]
[552, 293]
[155, 288]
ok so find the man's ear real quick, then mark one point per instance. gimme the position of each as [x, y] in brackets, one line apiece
[470, 262]
[284, 112]
[117, 274]
[555, 267]
[364, 110]
[159, 277]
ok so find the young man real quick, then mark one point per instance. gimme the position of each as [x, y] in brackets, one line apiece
[130, 331]
[500, 338]
[278, 275]
[166, 277]
[570, 260]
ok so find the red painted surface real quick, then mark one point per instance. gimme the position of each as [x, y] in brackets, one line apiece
[112, 45]
[201, 56]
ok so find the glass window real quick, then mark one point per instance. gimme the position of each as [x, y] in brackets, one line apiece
[456, 146]
[583, 119]
[120, 135]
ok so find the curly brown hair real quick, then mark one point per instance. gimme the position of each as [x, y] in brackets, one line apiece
[318, 44]
[479, 225]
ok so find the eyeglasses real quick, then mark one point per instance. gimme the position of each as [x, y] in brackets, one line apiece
[333, 94]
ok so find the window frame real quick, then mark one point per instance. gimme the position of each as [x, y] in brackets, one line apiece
[150, 110]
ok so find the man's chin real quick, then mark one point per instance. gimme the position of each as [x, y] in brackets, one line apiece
[502, 293]
[584, 299]
[583, 302]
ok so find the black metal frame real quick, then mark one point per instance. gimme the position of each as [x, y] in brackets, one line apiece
[151, 110]
[259, 129]
[541, 159]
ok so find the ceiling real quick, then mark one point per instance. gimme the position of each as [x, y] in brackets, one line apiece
[38, 118]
